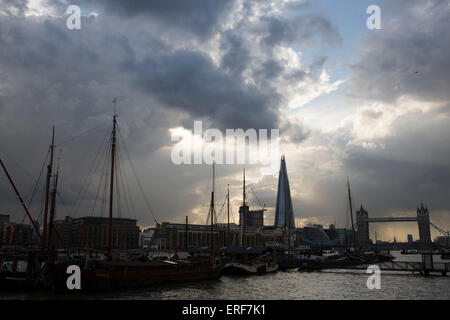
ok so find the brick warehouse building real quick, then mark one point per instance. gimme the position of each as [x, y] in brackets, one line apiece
[16, 233]
[92, 232]
[173, 236]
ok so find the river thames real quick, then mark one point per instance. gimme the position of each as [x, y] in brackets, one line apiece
[292, 285]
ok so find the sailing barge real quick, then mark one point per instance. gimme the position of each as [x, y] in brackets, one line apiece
[116, 275]
[50, 272]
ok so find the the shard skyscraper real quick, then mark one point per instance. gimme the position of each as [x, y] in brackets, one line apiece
[284, 214]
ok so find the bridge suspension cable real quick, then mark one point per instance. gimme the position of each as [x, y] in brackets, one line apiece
[444, 232]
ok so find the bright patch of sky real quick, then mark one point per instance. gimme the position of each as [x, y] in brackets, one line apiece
[349, 17]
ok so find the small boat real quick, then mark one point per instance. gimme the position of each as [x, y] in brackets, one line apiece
[337, 260]
[249, 261]
[313, 264]
[384, 256]
[256, 268]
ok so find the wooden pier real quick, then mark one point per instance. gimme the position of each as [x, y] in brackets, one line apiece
[441, 268]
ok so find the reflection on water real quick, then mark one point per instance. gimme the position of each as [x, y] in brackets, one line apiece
[286, 286]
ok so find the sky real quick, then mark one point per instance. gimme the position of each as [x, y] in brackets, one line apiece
[370, 105]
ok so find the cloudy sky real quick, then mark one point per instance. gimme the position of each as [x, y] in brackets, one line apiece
[372, 105]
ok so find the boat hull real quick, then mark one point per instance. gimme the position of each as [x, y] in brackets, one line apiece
[112, 277]
[236, 268]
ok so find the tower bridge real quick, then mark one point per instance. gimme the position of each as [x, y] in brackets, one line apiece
[393, 219]
[422, 218]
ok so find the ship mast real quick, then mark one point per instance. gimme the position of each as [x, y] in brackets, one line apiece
[21, 200]
[243, 213]
[111, 189]
[53, 208]
[47, 190]
[351, 211]
[228, 214]
[211, 208]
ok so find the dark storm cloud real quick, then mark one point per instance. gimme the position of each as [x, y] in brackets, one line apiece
[197, 16]
[14, 6]
[303, 28]
[190, 81]
[410, 168]
[237, 55]
[52, 75]
[293, 132]
[388, 185]
[270, 69]
[409, 56]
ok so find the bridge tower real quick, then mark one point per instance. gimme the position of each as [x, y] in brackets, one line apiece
[423, 220]
[362, 225]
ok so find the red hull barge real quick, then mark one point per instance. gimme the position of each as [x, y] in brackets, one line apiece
[116, 275]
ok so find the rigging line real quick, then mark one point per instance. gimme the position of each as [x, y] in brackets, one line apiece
[98, 190]
[101, 147]
[36, 186]
[100, 168]
[119, 208]
[219, 214]
[119, 180]
[254, 193]
[126, 196]
[107, 183]
[103, 174]
[125, 187]
[129, 192]
[42, 205]
[137, 180]
[18, 165]
[62, 201]
[209, 216]
[82, 133]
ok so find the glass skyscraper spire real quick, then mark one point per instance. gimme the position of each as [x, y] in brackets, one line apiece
[284, 214]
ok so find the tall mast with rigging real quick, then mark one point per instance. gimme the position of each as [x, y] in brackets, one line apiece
[53, 208]
[47, 190]
[351, 211]
[228, 215]
[243, 213]
[111, 189]
[211, 208]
